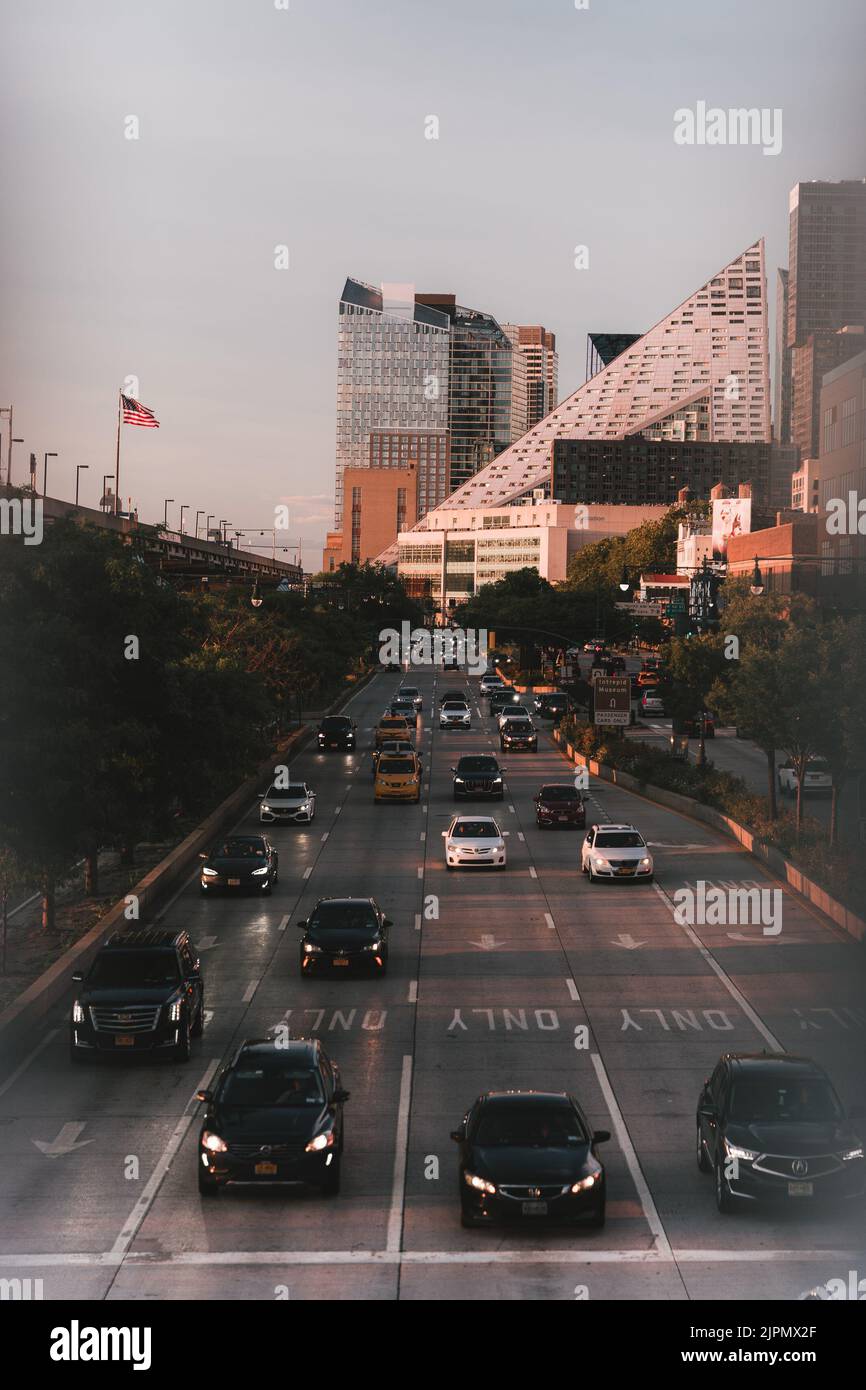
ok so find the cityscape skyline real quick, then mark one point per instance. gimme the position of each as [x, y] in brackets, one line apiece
[156, 257]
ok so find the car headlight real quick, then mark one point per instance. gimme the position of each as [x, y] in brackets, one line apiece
[311, 949]
[258, 873]
[601, 863]
[213, 1143]
[645, 863]
[497, 779]
[174, 1011]
[321, 1141]
[373, 946]
[585, 1183]
[480, 1184]
[78, 1015]
[458, 779]
[210, 873]
[734, 1151]
[265, 806]
[850, 1154]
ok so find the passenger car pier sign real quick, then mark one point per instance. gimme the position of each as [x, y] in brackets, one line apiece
[612, 699]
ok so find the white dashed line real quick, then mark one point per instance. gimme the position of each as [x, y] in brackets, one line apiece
[308, 871]
[532, 873]
[572, 990]
[325, 836]
[417, 921]
[283, 923]
[420, 870]
[249, 991]
[521, 837]
[413, 992]
[423, 836]
[550, 922]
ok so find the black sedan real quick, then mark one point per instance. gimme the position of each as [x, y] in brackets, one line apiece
[771, 1128]
[344, 934]
[275, 1115]
[552, 704]
[559, 803]
[337, 731]
[529, 1155]
[240, 863]
[518, 735]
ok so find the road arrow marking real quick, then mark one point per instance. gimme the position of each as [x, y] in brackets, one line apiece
[628, 942]
[206, 943]
[66, 1141]
[487, 943]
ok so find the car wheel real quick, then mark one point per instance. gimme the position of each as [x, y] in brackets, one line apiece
[701, 1153]
[331, 1184]
[198, 1026]
[592, 878]
[183, 1051]
[596, 1221]
[206, 1186]
[724, 1200]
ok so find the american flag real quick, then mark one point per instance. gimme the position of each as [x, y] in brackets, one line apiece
[134, 413]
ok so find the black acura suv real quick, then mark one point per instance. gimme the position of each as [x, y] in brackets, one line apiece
[476, 775]
[275, 1115]
[771, 1128]
[143, 993]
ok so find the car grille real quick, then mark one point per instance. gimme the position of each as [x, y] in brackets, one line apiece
[628, 865]
[782, 1165]
[478, 784]
[266, 1151]
[137, 1018]
[469, 849]
[534, 1194]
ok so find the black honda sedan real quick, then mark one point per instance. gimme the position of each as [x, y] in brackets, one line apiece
[343, 935]
[771, 1128]
[529, 1155]
[275, 1115]
[240, 863]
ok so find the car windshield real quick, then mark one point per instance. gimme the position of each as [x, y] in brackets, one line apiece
[271, 1084]
[395, 765]
[454, 702]
[408, 692]
[339, 916]
[239, 849]
[802, 1098]
[487, 765]
[297, 792]
[335, 724]
[475, 830]
[392, 722]
[530, 1126]
[144, 968]
[817, 765]
[517, 726]
[560, 794]
[619, 839]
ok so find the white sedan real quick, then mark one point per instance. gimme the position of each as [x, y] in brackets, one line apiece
[816, 778]
[474, 842]
[489, 683]
[512, 712]
[296, 803]
[616, 851]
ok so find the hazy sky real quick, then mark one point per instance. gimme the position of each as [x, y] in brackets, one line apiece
[261, 127]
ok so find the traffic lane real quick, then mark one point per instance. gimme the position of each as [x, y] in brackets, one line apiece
[204, 1277]
[567, 1276]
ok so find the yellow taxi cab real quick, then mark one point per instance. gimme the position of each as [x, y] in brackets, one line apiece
[649, 677]
[398, 777]
[391, 726]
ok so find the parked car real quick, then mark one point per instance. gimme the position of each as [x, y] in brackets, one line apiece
[240, 863]
[559, 803]
[771, 1127]
[345, 934]
[518, 734]
[529, 1156]
[274, 1115]
[817, 777]
[478, 774]
[143, 993]
[474, 842]
[615, 852]
[398, 778]
[283, 805]
[337, 731]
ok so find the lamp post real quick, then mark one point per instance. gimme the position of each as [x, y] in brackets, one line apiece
[197, 515]
[79, 469]
[106, 479]
[210, 517]
[9, 464]
[255, 597]
[165, 513]
[184, 508]
[45, 473]
[7, 410]
[756, 588]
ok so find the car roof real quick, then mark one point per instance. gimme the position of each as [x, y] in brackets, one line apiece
[148, 937]
[560, 786]
[294, 1050]
[617, 826]
[467, 815]
[751, 1063]
[525, 1097]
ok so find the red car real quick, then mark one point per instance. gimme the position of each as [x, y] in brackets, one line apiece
[559, 803]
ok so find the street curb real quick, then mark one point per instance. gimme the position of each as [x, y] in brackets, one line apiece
[795, 879]
[48, 988]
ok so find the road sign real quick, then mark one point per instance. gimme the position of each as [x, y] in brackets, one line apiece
[649, 609]
[612, 699]
[676, 605]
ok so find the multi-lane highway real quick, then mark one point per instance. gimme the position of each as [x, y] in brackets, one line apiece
[495, 981]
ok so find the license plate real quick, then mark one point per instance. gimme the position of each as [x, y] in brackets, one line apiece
[534, 1208]
[124, 1040]
[624, 872]
[563, 817]
[234, 883]
[340, 960]
[265, 1170]
[799, 1189]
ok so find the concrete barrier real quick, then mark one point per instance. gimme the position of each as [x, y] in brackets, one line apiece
[794, 877]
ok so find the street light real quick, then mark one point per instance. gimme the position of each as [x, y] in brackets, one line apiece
[165, 512]
[79, 469]
[624, 581]
[197, 515]
[106, 479]
[210, 517]
[45, 473]
[9, 464]
[756, 587]
[255, 597]
[184, 508]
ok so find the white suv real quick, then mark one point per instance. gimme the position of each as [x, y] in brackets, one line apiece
[454, 714]
[489, 683]
[616, 851]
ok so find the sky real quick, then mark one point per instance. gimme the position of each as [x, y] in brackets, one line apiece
[261, 126]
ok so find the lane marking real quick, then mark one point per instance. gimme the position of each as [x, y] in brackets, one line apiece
[735, 994]
[308, 871]
[624, 1140]
[511, 809]
[423, 836]
[31, 1056]
[398, 1183]
[413, 992]
[249, 991]
[325, 836]
[145, 1201]
[337, 810]
[417, 921]
[532, 873]
[420, 870]
[284, 922]
[572, 989]
[520, 837]
[550, 922]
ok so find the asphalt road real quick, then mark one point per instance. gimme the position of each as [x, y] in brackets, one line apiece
[491, 981]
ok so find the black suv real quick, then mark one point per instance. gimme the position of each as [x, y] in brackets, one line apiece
[345, 934]
[478, 774]
[143, 993]
[337, 731]
[553, 704]
[771, 1127]
[275, 1115]
[502, 697]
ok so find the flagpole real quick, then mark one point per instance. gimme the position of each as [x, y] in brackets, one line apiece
[117, 458]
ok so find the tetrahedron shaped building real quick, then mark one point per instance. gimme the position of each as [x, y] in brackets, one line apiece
[702, 373]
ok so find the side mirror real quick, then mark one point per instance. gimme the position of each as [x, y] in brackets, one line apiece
[600, 1136]
[204, 1095]
[458, 1136]
[301, 923]
[387, 921]
[341, 1097]
[78, 976]
[444, 834]
[202, 856]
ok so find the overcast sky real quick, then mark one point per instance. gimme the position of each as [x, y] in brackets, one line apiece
[260, 127]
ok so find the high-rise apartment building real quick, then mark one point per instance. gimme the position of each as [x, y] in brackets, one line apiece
[782, 371]
[602, 348]
[827, 257]
[537, 347]
[810, 360]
